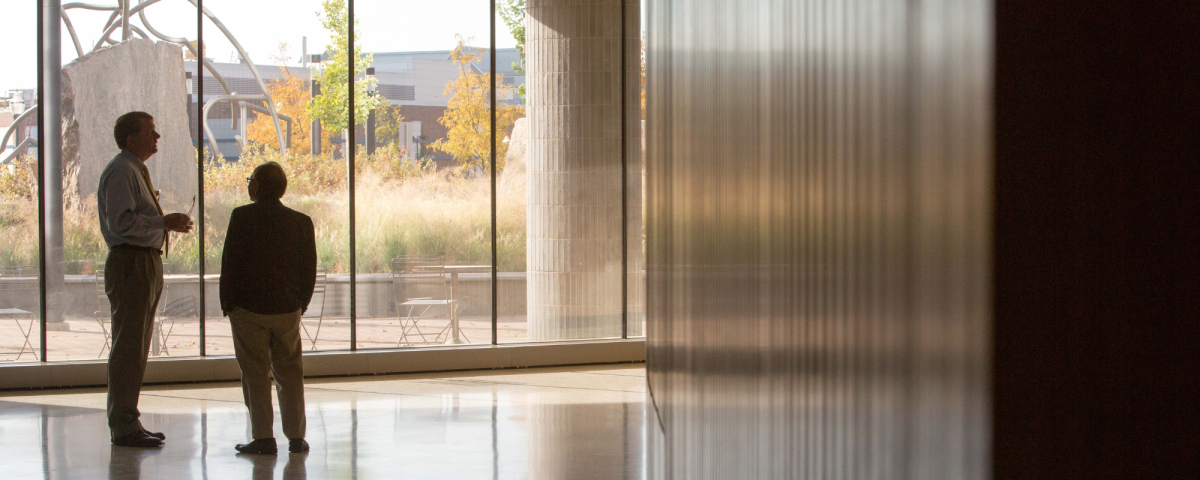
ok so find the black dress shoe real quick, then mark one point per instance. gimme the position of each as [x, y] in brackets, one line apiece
[262, 446]
[137, 439]
[158, 435]
[297, 445]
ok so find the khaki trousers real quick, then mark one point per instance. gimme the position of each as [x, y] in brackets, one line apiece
[133, 282]
[270, 344]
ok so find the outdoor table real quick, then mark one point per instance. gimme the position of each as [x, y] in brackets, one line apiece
[454, 270]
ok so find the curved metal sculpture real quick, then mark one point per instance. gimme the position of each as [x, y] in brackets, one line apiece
[27, 142]
[121, 16]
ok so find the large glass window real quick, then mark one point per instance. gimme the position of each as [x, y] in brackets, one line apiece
[512, 176]
[20, 333]
[635, 170]
[423, 183]
[405, 228]
[250, 63]
[104, 58]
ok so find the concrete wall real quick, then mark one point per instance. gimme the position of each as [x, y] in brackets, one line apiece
[98, 87]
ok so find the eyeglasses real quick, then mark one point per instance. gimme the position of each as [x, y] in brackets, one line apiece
[249, 179]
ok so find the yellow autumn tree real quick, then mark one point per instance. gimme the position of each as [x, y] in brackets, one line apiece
[468, 114]
[290, 93]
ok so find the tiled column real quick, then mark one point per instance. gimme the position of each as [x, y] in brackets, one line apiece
[574, 183]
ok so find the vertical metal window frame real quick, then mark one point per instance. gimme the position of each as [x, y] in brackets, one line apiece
[624, 185]
[41, 156]
[492, 159]
[350, 181]
[200, 167]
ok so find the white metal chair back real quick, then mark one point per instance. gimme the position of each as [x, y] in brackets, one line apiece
[103, 312]
[318, 289]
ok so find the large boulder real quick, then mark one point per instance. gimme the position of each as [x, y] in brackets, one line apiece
[512, 178]
[98, 87]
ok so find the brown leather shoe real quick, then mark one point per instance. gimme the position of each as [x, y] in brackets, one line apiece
[158, 435]
[297, 445]
[137, 439]
[261, 446]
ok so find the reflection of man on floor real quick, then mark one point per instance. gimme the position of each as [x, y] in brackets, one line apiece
[268, 270]
[135, 229]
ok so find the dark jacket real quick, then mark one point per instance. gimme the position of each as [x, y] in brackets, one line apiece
[269, 264]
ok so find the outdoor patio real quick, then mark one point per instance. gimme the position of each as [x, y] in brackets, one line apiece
[82, 338]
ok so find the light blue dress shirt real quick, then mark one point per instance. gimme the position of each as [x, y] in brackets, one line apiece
[128, 214]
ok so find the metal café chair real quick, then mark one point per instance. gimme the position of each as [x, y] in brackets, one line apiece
[183, 307]
[19, 284]
[319, 313]
[419, 285]
[103, 314]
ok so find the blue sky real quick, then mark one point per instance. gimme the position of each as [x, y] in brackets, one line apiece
[260, 26]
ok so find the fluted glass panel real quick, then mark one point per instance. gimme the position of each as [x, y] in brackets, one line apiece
[818, 229]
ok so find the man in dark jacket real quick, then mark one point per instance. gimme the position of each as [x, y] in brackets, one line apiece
[268, 270]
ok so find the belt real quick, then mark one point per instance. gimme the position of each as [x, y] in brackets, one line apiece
[126, 246]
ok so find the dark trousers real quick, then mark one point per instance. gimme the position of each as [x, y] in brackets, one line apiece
[133, 281]
[269, 346]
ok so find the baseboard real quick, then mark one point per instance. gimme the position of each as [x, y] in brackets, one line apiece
[324, 364]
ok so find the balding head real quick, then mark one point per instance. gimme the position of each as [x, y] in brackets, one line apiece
[271, 180]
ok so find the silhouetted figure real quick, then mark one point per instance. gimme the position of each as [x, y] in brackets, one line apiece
[135, 229]
[268, 270]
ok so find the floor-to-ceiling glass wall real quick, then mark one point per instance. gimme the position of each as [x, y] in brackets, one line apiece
[114, 61]
[424, 182]
[20, 332]
[635, 166]
[272, 84]
[511, 175]
[279, 49]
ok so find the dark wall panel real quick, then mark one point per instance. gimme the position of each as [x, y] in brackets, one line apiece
[1097, 239]
[818, 225]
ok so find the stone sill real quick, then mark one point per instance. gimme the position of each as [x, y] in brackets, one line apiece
[326, 364]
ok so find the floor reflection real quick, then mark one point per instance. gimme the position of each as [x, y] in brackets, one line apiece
[263, 466]
[577, 422]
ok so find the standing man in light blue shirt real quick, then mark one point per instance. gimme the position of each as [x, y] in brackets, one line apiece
[137, 232]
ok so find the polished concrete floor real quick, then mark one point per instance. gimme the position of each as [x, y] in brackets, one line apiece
[547, 423]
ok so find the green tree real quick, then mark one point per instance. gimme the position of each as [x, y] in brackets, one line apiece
[513, 14]
[332, 106]
[387, 123]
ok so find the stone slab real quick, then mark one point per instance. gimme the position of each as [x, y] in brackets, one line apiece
[100, 86]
